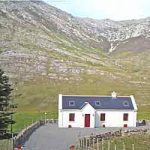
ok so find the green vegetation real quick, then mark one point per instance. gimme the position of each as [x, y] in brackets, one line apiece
[24, 119]
[141, 142]
[5, 144]
[5, 105]
[137, 142]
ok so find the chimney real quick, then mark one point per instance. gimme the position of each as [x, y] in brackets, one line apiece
[114, 94]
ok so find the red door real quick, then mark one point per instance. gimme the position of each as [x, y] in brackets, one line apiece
[87, 120]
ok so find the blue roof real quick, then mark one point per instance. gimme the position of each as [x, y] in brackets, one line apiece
[97, 102]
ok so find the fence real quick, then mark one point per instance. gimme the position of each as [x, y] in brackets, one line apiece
[89, 142]
[104, 141]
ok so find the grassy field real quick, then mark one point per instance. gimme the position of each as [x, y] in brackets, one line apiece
[24, 119]
[141, 142]
[42, 93]
[5, 144]
[132, 142]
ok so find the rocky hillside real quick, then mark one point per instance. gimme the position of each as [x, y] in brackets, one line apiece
[38, 38]
[40, 42]
[121, 35]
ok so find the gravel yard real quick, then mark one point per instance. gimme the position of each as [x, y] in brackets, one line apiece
[50, 137]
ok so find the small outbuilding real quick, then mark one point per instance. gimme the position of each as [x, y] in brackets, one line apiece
[96, 111]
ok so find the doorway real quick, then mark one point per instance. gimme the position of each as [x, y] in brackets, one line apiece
[87, 120]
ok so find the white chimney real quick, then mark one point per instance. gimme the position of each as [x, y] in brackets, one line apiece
[114, 94]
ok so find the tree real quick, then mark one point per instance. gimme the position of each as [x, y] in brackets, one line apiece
[5, 105]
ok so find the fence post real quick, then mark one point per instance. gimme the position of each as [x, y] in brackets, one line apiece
[85, 143]
[115, 147]
[97, 144]
[12, 141]
[124, 148]
[102, 144]
[93, 142]
[89, 143]
[108, 145]
[86, 146]
[81, 143]
[132, 146]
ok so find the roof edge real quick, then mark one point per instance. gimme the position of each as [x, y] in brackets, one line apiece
[70, 109]
[134, 103]
[94, 95]
[85, 104]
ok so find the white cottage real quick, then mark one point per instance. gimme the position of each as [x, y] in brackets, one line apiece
[97, 111]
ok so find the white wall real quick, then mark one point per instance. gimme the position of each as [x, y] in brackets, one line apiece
[114, 118]
[79, 117]
[60, 110]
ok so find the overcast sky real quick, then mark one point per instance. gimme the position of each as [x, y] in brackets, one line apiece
[102, 9]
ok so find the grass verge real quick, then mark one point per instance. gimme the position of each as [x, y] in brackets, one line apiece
[24, 119]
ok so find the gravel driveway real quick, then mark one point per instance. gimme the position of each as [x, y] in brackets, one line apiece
[50, 137]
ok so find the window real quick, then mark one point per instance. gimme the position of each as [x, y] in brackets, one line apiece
[71, 103]
[71, 117]
[126, 103]
[97, 103]
[125, 125]
[125, 117]
[102, 118]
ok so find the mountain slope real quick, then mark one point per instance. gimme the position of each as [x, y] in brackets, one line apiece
[46, 51]
[118, 32]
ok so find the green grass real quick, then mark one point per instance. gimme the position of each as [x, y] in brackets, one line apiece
[141, 142]
[144, 112]
[41, 94]
[24, 119]
[144, 115]
[5, 144]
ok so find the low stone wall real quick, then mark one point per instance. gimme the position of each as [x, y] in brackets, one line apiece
[25, 133]
[89, 141]
[136, 130]
[23, 136]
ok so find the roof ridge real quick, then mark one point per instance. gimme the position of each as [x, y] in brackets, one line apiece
[94, 95]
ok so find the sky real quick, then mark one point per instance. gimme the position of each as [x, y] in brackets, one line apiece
[105, 9]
